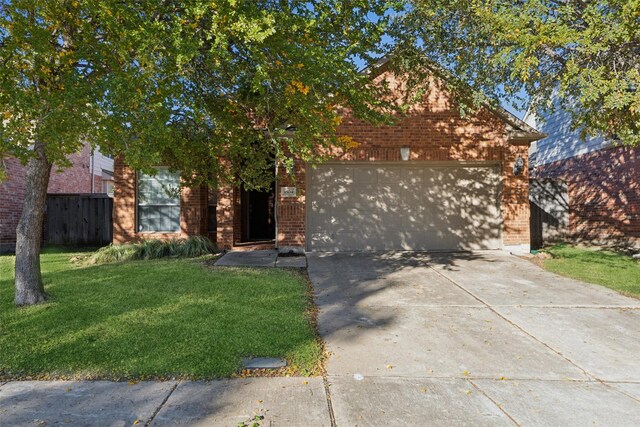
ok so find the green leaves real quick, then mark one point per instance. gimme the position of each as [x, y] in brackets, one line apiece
[188, 83]
[584, 53]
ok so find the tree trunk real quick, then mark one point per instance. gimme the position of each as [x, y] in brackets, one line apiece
[29, 287]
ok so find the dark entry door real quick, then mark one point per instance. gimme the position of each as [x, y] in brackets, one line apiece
[261, 218]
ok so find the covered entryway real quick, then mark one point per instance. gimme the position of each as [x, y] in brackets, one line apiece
[257, 210]
[404, 206]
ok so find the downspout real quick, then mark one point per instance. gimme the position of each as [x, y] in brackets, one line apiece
[275, 207]
[93, 179]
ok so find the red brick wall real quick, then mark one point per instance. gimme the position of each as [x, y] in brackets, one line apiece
[291, 211]
[434, 131]
[225, 217]
[193, 209]
[11, 196]
[604, 195]
[74, 179]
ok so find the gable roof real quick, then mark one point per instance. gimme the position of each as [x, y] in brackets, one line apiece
[518, 132]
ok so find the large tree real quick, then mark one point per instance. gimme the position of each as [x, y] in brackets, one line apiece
[184, 83]
[583, 54]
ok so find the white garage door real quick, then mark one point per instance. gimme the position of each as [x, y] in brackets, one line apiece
[365, 207]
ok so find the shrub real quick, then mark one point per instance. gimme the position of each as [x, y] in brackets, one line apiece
[151, 249]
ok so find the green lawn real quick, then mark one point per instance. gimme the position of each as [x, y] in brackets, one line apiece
[610, 269]
[154, 319]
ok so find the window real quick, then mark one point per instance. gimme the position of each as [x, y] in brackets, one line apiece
[159, 201]
[107, 187]
[107, 182]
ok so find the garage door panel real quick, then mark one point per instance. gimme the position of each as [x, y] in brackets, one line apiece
[344, 220]
[321, 176]
[366, 197]
[412, 176]
[365, 175]
[389, 175]
[417, 207]
[334, 242]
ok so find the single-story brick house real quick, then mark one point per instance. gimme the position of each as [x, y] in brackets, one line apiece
[433, 181]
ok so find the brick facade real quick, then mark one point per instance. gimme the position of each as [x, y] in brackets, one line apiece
[193, 209]
[604, 195]
[226, 222]
[74, 179]
[434, 131]
[291, 212]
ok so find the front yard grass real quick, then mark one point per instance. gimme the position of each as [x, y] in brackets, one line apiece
[610, 269]
[154, 319]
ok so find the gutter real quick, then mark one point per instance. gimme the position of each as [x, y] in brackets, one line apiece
[93, 177]
[275, 207]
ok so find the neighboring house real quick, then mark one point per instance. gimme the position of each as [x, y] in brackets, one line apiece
[456, 190]
[90, 172]
[588, 190]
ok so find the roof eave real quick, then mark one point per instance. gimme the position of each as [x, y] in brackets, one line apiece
[519, 137]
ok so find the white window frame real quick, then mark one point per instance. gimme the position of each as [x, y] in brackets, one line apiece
[138, 205]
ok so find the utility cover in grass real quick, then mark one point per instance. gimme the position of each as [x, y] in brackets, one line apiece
[263, 363]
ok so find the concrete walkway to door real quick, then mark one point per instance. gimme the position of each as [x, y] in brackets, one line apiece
[473, 339]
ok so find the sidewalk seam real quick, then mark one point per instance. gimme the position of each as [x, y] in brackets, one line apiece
[611, 386]
[489, 377]
[327, 392]
[499, 406]
[520, 328]
[155, 413]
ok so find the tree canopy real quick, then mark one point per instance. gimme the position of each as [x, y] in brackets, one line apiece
[209, 88]
[187, 82]
[582, 54]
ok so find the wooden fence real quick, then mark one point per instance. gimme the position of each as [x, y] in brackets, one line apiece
[79, 219]
[536, 225]
[549, 203]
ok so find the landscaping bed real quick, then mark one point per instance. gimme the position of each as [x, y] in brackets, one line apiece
[167, 318]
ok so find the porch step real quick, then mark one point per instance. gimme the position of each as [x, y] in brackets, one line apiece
[254, 246]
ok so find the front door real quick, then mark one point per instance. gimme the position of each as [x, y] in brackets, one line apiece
[259, 215]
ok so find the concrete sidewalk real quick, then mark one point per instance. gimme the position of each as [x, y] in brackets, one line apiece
[261, 258]
[260, 401]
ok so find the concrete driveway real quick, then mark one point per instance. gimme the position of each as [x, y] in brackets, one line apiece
[478, 339]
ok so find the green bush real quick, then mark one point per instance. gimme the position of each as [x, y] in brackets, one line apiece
[151, 249]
